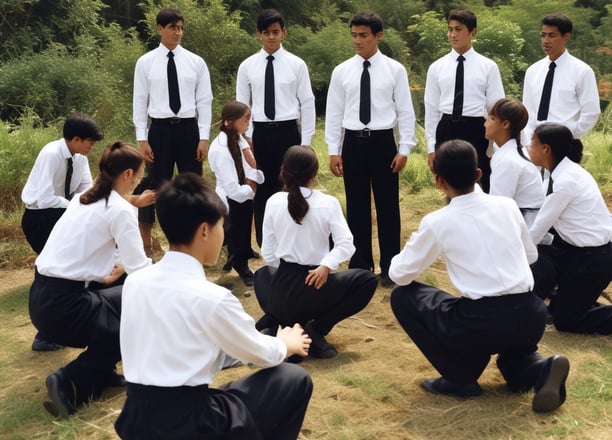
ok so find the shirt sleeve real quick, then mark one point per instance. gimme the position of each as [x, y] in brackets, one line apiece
[86, 181]
[495, 87]
[45, 168]
[504, 178]
[140, 101]
[307, 104]
[124, 229]
[421, 250]
[269, 242]
[406, 119]
[588, 97]
[342, 237]
[204, 98]
[333, 114]
[551, 209]
[226, 172]
[432, 108]
[243, 92]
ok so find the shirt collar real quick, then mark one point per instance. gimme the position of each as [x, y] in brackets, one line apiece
[165, 50]
[64, 149]
[562, 58]
[454, 54]
[183, 263]
[279, 52]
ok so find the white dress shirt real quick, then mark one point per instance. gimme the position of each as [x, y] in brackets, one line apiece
[176, 326]
[45, 185]
[293, 95]
[484, 241]
[82, 244]
[308, 243]
[515, 177]
[222, 164]
[151, 89]
[575, 209]
[574, 99]
[482, 88]
[391, 102]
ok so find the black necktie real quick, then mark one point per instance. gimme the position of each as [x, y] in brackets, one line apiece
[458, 102]
[550, 185]
[269, 109]
[173, 87]
[545, 101]
[364, 95]
[68, 178]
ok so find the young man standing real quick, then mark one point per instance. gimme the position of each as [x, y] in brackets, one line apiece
[60, 171]
[487, 250]
[368, 157]
[172, 88]
[461, 88]
[560, 87]
[276, 84]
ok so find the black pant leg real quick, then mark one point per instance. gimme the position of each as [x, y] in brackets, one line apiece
[37, 225]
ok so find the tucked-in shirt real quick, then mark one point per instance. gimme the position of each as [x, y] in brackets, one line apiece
[483, 240]
[151, 96]
[516, 177]
[391, 102]
[293, 95]
[45, 185]
[482, 88]
[176, 326]
[308, 243]
[82, 244]
[222, 164]
[574, 99]
[575, 208]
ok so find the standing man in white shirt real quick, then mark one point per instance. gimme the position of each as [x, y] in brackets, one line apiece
[460, 89]
[276, 84]
[572, 98]
[359, 123]
[496, 311]
[172, 107]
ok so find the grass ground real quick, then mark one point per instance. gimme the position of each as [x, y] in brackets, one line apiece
[371, 391]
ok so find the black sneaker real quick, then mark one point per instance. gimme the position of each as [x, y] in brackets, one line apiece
[550, 389]
[41, 345]
[448, 388]
[319, 347]
[61, 394]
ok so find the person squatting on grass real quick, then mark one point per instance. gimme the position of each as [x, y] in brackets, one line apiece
[575, 269]
[487, 249]
[90, 248]
[177, 329]
[300, 282]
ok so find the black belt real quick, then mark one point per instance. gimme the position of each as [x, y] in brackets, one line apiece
[275, 124]
[559, 242]
[61, 283]
[447, 117]
[297, 265]
[366, 132]
[153, 392]
[172, 121]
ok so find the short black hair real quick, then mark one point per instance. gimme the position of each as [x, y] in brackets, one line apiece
[184, 203]
[169, 15]
[560, 21]
[465, 16]
[268, 17]
[371, 19]
[83, 126]
[456, 161]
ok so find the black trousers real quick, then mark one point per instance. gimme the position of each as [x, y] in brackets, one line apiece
[271, 140]
[366, 162]
[238, 236]
[269, 404]
[470, 129]
[37, 225]
[173, 144]
[283, 294]
[74, 316]
[580, 275]
[459, 335]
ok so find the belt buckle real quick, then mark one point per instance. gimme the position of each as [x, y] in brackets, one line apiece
[273, 124]
[175, 121]
[366, 132]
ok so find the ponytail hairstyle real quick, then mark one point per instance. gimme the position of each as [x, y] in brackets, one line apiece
[232, 111]
[517, 116]
[116, 158]
[300, 166]
[560, 140]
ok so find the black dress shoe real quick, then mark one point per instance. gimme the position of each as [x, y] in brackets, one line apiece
[41, 345]
[550, 388]
[448, 388]
[115, 381]
[61, 394]
[246, 275]
[319, 347]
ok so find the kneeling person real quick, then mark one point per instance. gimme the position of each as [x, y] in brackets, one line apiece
[487, 249]
[177, 329]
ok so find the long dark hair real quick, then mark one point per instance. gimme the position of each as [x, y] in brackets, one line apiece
[232, 111]
[561, 141]
[300, 165]
[116, 158]
[516, 114]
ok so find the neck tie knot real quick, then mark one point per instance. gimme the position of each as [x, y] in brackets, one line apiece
[366, 64]
[552, 65]
[269, 96]
[461, 58]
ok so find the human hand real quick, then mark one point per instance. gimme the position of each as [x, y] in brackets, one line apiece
[335, 165]
[115, 274]
[294, 338]
[146, 151]
[202, 150]
[252, 184]
[317, 277]
[398, 163]
[147, 198]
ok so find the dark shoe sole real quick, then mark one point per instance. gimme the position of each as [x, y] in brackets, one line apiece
[58, 406]
[443, 387]
[42, 345]
[550, 396]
